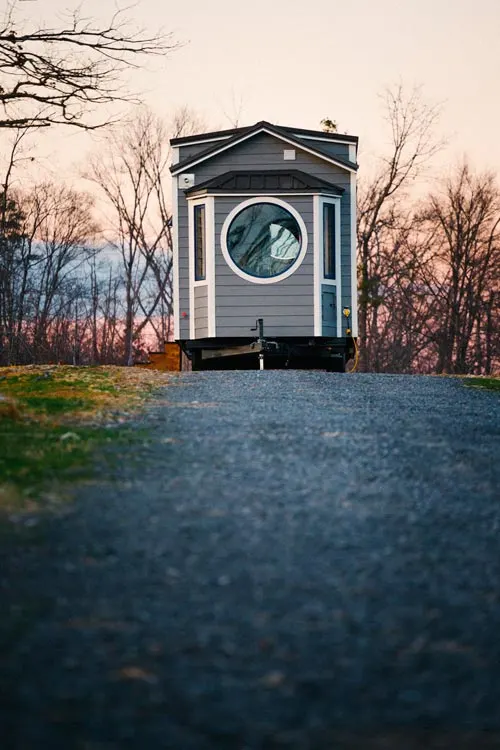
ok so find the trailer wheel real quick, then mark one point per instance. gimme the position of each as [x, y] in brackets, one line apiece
[337, 364]
[196, 360]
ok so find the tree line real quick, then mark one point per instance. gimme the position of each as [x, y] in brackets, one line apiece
[77, 289]
[88, 289]
[428, 268]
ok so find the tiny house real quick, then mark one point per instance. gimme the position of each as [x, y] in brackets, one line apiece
[264, 224]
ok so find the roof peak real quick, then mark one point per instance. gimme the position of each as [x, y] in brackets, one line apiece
[261, 124]
[239, 136]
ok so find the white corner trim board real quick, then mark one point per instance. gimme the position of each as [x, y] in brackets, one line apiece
[210, 230]
[354, 267]
[318, 325]
[227, 223]
[191, 268]
[175, 259]
[338, 262]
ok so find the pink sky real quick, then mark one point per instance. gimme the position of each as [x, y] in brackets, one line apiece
[294, 63]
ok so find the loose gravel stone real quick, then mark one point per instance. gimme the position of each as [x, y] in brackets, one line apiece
[292, 560]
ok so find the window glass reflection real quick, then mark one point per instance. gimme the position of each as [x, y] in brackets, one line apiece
[329, 240]
[199, 243]
[264, 240]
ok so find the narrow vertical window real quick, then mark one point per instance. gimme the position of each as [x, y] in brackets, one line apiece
[329, 240]
[199, 243]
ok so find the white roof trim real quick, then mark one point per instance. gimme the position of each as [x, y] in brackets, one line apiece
[263, 193]
[193, 162]
[324, 140]
[202, 140]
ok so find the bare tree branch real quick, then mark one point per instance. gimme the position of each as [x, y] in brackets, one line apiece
[412, 127]
[63, 75]
[132, 176]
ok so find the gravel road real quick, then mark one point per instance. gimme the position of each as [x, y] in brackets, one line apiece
[294, 560]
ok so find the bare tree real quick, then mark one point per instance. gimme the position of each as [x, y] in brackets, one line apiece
[102, 311]
[185, 121]
[46, 236]
[14, 245]
[399, 324]
[64, 234]
[12, 250]
[132, 175]
[462, 226]
[62, 75]
[234, 112]
[380, 200]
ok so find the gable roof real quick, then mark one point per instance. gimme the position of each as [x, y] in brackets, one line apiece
[222, 134]
[244, 134]
[260, 181]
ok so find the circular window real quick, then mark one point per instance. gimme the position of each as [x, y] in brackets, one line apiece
[263, 239]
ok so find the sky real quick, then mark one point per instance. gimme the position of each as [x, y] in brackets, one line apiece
[293, 62]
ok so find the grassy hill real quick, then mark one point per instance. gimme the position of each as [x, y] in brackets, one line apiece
[54, 418]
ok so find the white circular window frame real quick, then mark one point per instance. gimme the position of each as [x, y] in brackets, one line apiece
[261, 279]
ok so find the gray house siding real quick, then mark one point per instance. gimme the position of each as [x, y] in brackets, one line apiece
[186, 152]
[201, 311]
[264, 152]
[340, 150]
[287, 306]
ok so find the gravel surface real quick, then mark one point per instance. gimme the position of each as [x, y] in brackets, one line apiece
[294, 560]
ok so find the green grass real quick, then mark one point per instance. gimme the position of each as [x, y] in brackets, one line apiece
[60, 421]
[37, 456]
[56, 394]
[55, 404]
[488, 384]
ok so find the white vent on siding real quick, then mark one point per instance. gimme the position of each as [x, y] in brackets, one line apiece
[289, 154]
[186, 181]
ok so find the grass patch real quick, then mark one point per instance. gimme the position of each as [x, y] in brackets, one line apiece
[54, 419]
[56, 404]
[41, 456]
[487, 384]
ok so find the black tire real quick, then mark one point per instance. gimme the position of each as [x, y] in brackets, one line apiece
[196, 362]
[337, 364]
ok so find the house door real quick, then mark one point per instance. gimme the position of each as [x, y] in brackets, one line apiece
[329, 312]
